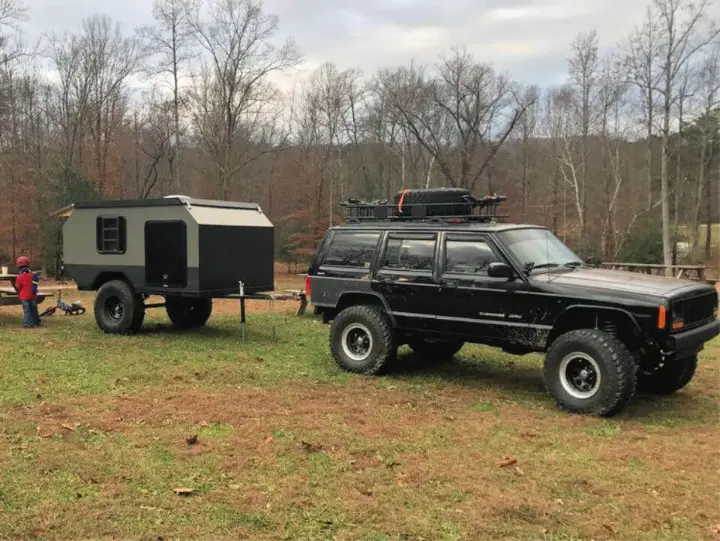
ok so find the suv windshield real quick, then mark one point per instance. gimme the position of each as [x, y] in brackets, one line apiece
[539, 249]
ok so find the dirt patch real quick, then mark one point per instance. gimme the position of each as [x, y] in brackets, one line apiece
[367, 449]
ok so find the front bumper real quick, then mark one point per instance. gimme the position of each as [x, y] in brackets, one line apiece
[692, 341]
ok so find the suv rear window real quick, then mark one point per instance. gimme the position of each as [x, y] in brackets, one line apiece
[410, 254]
[351, 249]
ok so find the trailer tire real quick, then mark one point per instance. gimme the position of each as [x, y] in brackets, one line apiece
[118, 310]
[188, 313]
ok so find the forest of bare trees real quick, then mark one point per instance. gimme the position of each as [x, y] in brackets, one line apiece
[622, 160]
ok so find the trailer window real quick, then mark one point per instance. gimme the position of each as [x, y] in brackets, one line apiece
[111, 234]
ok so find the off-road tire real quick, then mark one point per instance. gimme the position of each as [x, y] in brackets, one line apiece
[668, 378]
[118, 310]
[435, 352]
[188, 313]
[617, 367]
[382, 344]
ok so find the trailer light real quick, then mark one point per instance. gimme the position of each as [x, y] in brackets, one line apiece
[662, 315]
[308, 286]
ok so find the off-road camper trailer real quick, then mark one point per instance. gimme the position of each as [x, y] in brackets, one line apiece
[187, 250]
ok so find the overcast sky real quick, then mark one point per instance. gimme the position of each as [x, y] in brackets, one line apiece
[528, 38]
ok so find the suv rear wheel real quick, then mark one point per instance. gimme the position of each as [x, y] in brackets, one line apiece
[435, 351]
[362, 340]
[668, 378]
[590, 371]
[118, 310]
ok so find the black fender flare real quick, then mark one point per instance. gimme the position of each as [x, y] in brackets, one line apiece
[366, 294]
[572, 309]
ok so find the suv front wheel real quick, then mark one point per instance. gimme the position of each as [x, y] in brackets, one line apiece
[590, 371]
[362, 340]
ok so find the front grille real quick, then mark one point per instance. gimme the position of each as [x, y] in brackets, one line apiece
[696, 310]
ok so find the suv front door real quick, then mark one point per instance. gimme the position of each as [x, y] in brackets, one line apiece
[472, 304]
[405, 278]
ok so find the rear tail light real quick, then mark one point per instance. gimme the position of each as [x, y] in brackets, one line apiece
[308, 286]
[662, 315]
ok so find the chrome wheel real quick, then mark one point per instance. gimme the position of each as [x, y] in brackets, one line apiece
[357, 342]
[580, 375]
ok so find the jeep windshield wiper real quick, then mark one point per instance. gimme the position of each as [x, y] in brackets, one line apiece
[573, 264]
[529, 267]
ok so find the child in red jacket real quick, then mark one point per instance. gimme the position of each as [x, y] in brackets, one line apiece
[26, 285]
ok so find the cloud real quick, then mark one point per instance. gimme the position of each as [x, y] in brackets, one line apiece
[528, 38]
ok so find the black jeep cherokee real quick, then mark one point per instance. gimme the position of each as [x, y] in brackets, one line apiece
[434, 280]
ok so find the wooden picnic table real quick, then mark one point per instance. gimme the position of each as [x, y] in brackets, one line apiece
[8, 295]
[680, 271]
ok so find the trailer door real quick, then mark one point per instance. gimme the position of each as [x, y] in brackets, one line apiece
[166, 254]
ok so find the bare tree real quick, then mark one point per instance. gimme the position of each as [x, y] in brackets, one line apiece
[12, 13]
[683, 34]
[233, 98]
[641, 59]
[613, 102]
[584, 68]
[708, 124]
[109, 59]
[171, 40]
[473, 112]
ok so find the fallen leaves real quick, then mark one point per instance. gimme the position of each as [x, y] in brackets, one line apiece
[183, 491]
[268, 439]
[506, 461]
[311, 447]
[68, 427]
[715, 529]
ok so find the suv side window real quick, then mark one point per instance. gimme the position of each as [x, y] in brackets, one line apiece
[354, 249]
[468, 257]
[409, 254]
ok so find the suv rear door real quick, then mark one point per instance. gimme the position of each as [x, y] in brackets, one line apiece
[471, 303]
[406, 278]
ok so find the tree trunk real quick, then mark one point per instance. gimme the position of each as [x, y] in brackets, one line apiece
[664, 189]
[698, 197]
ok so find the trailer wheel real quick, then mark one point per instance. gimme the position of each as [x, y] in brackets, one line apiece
[117, 309]
[188, 313]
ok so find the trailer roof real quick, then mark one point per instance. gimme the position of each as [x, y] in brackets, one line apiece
[169, 201]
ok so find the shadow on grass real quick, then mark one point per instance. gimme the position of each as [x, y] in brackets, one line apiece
[473, 372]
[521, 379]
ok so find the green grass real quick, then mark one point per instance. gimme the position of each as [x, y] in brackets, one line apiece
[94, 439]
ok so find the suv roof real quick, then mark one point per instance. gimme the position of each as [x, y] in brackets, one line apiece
[435, 225]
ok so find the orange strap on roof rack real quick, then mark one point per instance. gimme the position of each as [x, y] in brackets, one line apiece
[402, 198]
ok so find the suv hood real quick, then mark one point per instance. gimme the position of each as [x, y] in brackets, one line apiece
[620, 281]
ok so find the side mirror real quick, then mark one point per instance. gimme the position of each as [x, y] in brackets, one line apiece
[500, 270]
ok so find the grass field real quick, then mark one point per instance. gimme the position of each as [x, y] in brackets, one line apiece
[98, 432]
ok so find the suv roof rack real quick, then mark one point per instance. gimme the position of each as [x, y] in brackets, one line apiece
[466, 209]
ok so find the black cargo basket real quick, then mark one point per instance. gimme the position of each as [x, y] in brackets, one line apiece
[438, 204]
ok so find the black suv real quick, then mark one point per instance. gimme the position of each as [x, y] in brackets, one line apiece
[433, 273]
